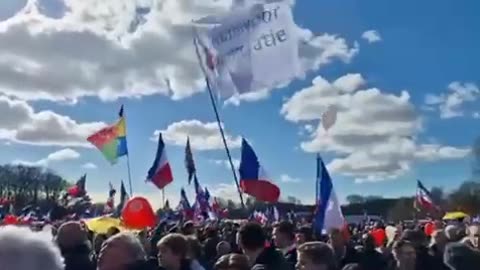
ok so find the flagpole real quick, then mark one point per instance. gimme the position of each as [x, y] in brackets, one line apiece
[129, 175]
[222, 133]
[163, 198]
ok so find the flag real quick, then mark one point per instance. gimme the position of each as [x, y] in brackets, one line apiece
[253, 179]
[234, 53]
[201, 200]
[112, 140]
[329, 214]
[123, 200]
[78, 190]
[160, 174]
[189, 164]
[110, 205]
[423, 198]
[166, 207]
[122, 149]
[329, 117]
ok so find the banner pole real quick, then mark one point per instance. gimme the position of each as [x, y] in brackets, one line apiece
[129, 175]
[222, 133]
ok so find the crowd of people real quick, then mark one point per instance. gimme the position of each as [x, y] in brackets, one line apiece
[232, 246]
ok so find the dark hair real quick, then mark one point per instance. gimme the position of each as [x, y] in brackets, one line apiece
[307, 232]
[252, 236]
[177, 243]
[319, 253]
[286, 228]
[232, 261]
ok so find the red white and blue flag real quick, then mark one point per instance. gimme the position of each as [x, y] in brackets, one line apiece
[423, 198]
[253, 178]
[328, 214]
[160, 174]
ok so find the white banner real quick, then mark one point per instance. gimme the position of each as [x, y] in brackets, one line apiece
[249, 49]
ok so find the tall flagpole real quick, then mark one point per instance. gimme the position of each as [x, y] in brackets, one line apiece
[129, 175]
[163, 197]
[222, 133]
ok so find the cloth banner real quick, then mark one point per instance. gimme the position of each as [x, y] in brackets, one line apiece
[249, 49]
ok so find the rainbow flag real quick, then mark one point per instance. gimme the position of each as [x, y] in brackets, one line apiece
[112, 140]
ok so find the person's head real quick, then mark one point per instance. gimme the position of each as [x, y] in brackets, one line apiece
[453, 233]
[304, 234]
[404, 254]
[72, 237]
[283, 234]
[416, 237]
[194, 248]
[22, 249]
[232, 262]
[315, 256]
[223, 248]
[172, 249]
[368, 241]
[474, 235]
[336, 238]
[251, 237]
[120, 252]
[188, 228]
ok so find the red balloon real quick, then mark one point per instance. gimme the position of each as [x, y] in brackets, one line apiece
[138, 214]
[429, 228]
[10, 220]
[379, 236]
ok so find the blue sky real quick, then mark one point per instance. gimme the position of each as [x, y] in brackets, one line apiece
[427, 49]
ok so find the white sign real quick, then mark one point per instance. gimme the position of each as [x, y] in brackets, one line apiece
[249, 49]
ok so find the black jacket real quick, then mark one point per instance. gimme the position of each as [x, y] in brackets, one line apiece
[291, 258]
[270, 259]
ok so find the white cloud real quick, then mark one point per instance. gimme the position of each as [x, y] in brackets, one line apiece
[450, 104]
[476, 115]
[372, 36]
[24, 125]
[374, 137]
[226, 163]
[89, 50]
[285, 178]
[203, 136]
[225, 191]
[58, 156]
[89, 166]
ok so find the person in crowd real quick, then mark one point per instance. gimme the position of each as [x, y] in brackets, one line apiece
[122, 251]
[22, 249]
[303, 235]
[112, 231]
[223, 248]
[188, 228]
[316, 256]
[252, 242]
[172, 252]
[370, 258]
[419, 240]
[284, 239]
[459, 256]
[474, 235]
[232, 262]
[194, 253]
[73, 241]
[437, 247]
[210, 244]
[344, 253]
[405, 256]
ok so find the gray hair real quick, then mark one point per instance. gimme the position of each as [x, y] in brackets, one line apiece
[132, 243]
[22, 249]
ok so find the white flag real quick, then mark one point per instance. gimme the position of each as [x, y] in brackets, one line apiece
[249, 49]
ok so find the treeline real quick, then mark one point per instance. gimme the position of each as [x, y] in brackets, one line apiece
[26, 184]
